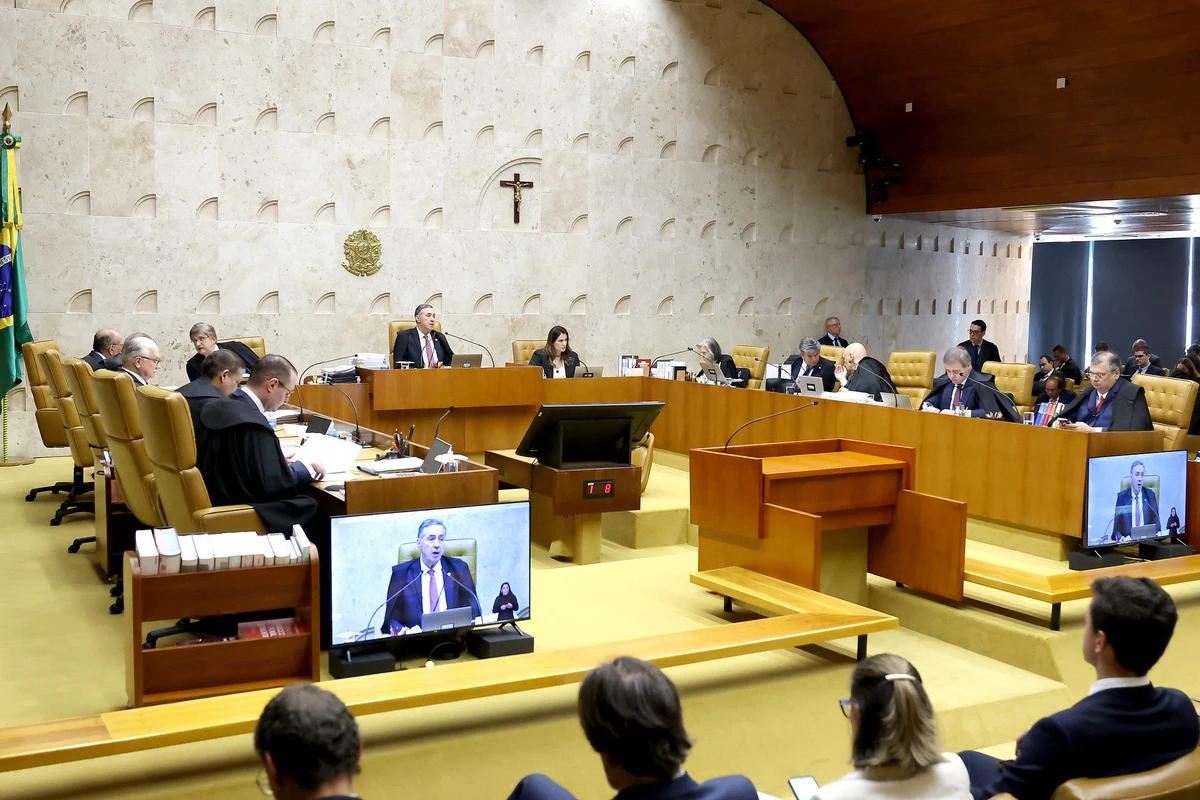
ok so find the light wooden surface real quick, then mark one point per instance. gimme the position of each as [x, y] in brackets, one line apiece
[816, 464]
[779, 597]
[1062, 586]
[146, 728]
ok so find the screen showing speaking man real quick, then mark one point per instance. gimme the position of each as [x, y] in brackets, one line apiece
[431, 583]
[1136, 497]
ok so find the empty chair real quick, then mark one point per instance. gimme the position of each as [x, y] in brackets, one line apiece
[79, 380]
[1170, 401]
[754, 359]
[78, 500]
[49, 420]
[642, 455]
[257, 344]
[1015, 380]
[913, 372]
[523, 349]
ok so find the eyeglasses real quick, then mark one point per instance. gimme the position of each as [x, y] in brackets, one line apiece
[148, 358]
[263, 783]
[844, 705]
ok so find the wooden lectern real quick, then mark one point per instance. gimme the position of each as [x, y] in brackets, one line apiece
[783, 509]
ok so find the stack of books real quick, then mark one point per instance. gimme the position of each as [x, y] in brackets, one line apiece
[161, 551]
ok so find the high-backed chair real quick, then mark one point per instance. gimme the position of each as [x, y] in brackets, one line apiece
[397, 325]
[78, 500]
[116, 398]
[463, 549]
[913, 371]
[834, 354]
[256, 343]
[753, 358]
[642, 455]
[1175, 780]
[171, 448]
[523, 349]
[49, 421]
[1015, 379]
[1170, 401]
[79, 380]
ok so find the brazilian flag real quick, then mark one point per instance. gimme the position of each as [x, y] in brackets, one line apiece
[14, 323]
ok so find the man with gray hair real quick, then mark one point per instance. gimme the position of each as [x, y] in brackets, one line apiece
[961, 390]
[833, 333]
[1111, 403]
[140, 358]
[811, 365]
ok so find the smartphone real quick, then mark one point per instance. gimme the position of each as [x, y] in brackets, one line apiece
[804, 787]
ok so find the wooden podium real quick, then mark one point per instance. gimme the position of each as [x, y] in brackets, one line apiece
[822, 513]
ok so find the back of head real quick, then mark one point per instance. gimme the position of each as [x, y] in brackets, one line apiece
[219, 361]
[896, 724]
[855, 350]
[630, 711]
[136, 344]
[104, 338]
[310, 735]
[1100, 347]
[271, 366]
[1137, 617]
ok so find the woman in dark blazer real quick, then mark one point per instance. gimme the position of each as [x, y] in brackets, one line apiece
[506, 603]
[556, 359]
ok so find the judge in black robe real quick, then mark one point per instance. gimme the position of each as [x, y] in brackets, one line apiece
[245, 355]
[222, 372]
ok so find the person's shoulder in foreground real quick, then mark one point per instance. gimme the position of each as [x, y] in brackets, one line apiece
[946, 780]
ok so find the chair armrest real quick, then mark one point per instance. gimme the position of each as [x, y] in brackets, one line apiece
[226, 519]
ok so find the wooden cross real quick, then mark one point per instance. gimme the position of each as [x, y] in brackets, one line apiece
[516, 184]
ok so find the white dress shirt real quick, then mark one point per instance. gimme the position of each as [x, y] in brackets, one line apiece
[1118, 683]
[138, 380]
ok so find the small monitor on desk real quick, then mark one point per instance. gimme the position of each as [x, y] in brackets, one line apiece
[810, 387]
[464, 360]
[1134, 498]
[585, 435]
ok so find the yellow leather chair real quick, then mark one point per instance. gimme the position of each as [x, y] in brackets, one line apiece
[49, 421]
[171, 448]
[746, 356]
[523, 350]
[642, 455]
[397, 325]
[79, 499]
[256, 343]
[913, 371]
[834, 354]
[462, 549]
[1175, 780]
[1015, 379]
[116, 398]
[79, 379]
[1171, 401]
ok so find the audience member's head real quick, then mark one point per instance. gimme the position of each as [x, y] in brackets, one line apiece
[976, 330]
[204, 338]
[272, 379]
[308, 743]
[1060, 355]
[708, 350]
[1127, 626]
[1053, 385]
[957, 363]
[223, 370]
[425, 317]
[630, 713]
[140, 354]
[1100, 347]
[1193, 349]
[1185, 369]
[833, 326]
[891, 716]
[1104, 370]
[1141, 354]
[108, 342]
[1045, 365]
[810, 350]
[1139, 344]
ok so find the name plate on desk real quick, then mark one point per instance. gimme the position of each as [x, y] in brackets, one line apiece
[593, 490]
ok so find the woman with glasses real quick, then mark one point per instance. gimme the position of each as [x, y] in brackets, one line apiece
[894, 739]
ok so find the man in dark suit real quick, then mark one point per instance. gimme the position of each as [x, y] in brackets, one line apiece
[265, 391]
[106, 350]
[1054, 391]
[978, 348]
[833, 334]
[204, 339]
[858, 372]
[1124, 725]
[1136, 506]
[221, 376]
[1065, 364]
[422, 346]
[631, 716]
[1143, 361]
[1110, 404]
[811, 365]
[433, 582]
[960, 389]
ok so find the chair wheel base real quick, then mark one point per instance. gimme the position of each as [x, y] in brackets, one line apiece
[73, 547]
[115, 591]
[118, 606]
[54, 523]
[29, 498]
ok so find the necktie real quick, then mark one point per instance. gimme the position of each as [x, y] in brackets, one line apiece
[956, 398]
[1137, 510]
[1099, 403]
[428, 350]
[434, 598]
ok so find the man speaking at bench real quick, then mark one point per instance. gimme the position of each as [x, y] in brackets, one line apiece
[433, 582]
[1136, 506]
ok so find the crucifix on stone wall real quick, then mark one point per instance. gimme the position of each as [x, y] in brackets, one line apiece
[516, 184]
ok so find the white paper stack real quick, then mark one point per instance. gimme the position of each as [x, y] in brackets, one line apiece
[187, 554]
[301, 539]
[146, 551]
[371, 360]
[168, 549]
[336, 455]
[204, 553]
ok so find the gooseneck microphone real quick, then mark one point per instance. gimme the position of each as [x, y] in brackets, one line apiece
[676, 353]
[477, 344]
[353, 407]
[367, 630]
[468, 589]
[748, 423]
[861, 365]
[300, 379]
[579, 361]
[438, 426]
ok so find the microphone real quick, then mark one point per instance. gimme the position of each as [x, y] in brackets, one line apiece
[477, 344]
[578, 361]
[439, 424]
[300, 380]
[668, 355]
[353, 407]
[363, 633]
[748, 423]
[1005, 400]
[478, 605]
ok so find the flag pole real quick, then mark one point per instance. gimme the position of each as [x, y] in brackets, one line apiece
[5, 461]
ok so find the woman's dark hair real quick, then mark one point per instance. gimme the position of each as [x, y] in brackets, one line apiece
[630, 711]
[502, 587]
[896, 725]
[1185, 369]
[1138, 618]
[310, 734]
[551, 338]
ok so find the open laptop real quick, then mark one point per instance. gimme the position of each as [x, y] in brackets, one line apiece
[592, 372]
[431, 466]
[465, 360]
[447, 620]
[810, 387]
[318, 425]
[896, 400]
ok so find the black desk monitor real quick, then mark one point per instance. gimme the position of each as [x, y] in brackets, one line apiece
[582, 435]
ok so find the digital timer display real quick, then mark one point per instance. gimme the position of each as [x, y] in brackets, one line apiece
[594, 489]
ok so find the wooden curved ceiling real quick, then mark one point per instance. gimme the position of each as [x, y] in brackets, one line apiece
[988, 127]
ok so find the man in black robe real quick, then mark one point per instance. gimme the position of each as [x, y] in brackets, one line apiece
[204, 339]
[222, 372]
[241, 460]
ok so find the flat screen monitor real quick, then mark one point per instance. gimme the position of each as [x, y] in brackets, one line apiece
[587, 434]
[379, 571]
[1134, 498]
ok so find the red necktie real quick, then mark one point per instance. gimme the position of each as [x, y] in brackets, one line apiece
[433, 593]
[1099, 402]
[428, 350]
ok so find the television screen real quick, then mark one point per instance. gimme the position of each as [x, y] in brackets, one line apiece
[1136, 497]
[411, 572]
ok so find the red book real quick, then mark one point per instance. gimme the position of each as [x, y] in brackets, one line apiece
[267, 628]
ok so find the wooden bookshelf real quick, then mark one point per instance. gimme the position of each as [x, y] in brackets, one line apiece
[187, 671]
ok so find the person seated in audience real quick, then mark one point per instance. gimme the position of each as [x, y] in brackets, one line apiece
[106, 350]
[204, 339]
[712, 359]
[1054, 390]
[140, 358]
[893, 736]
[242, 461]
[1193, 349]
[1124, 725]
[1065, 364]
[309, 746]
[962, 390]
[1195, 359]
[977, 347]
[556, 359]
[812, 365]
[833, 333]
[222, 372]
[859, 372]
[1186, 370]
[1143, 362]
[422, 346]
[1100, 347]
[1045, 367]
[632, 718]
[1111, 403]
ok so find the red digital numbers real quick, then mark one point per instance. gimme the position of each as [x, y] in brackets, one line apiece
[598, 488]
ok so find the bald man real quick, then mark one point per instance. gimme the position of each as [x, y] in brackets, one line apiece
[858, 372]
[106, 350]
